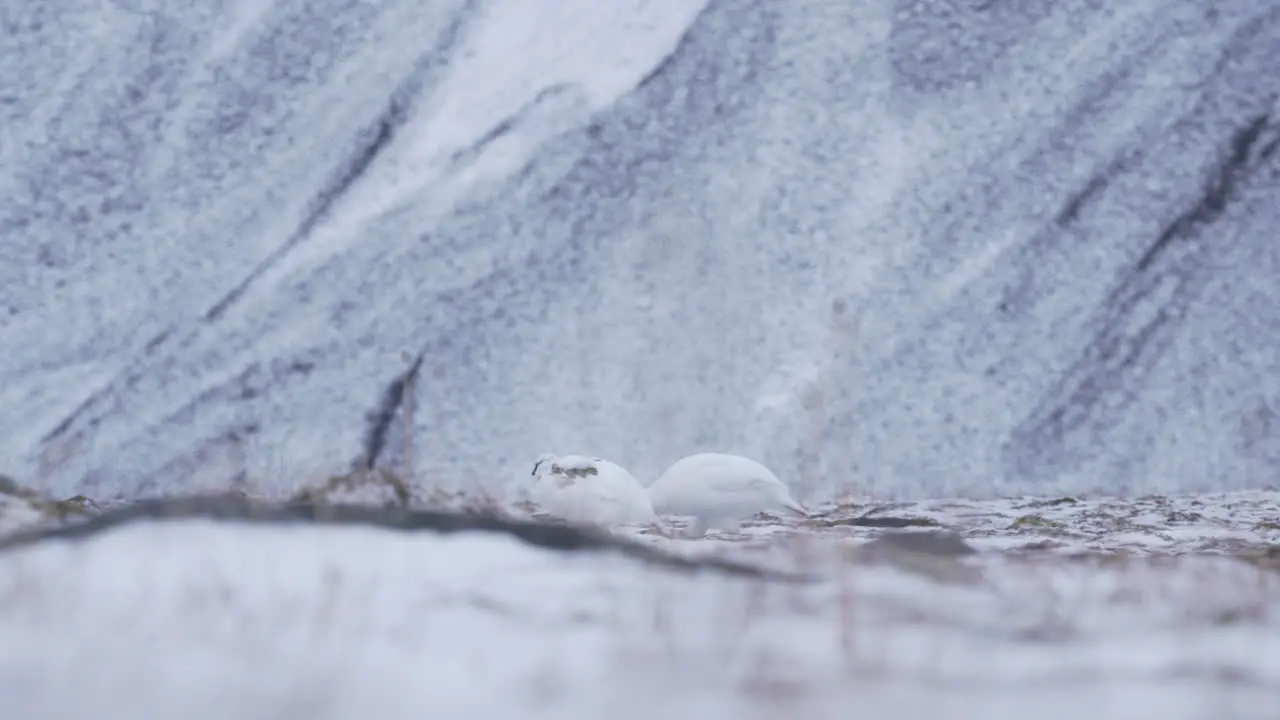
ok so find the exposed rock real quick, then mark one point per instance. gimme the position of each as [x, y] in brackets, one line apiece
[1049, 502]
[934, 554]
[1034, 521]
[16, 509]
[942, 543]
[881, 522]
[22, 507]
[377, 487]
[1267, 557]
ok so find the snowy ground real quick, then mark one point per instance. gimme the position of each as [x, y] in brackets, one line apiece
[1107, 608]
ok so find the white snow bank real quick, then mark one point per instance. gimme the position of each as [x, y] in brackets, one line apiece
[195, 619]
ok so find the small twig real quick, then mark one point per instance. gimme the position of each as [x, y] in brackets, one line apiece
[408, 416]
[379, 421]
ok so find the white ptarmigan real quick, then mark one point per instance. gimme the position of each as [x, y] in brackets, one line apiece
[720, 491]
[589, 490]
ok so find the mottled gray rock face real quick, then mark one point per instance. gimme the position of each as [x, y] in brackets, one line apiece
[911, 248]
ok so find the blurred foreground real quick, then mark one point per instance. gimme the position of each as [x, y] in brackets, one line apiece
[1158, 607]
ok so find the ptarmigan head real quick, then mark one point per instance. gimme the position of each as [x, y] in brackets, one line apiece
[543, 458]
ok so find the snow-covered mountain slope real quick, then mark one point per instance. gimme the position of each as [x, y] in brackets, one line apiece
[907, 247]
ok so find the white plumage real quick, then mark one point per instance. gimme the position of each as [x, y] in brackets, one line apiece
[720, 490]
[589, 490]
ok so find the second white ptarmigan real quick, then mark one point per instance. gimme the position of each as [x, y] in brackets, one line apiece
[590, 491]
[720, 490]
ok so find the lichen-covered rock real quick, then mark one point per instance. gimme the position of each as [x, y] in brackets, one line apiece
[377, 487]
[22, 507]
[11, 488]
[1266, 557]
[16, 511]
[75, 506]
[934, 554]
